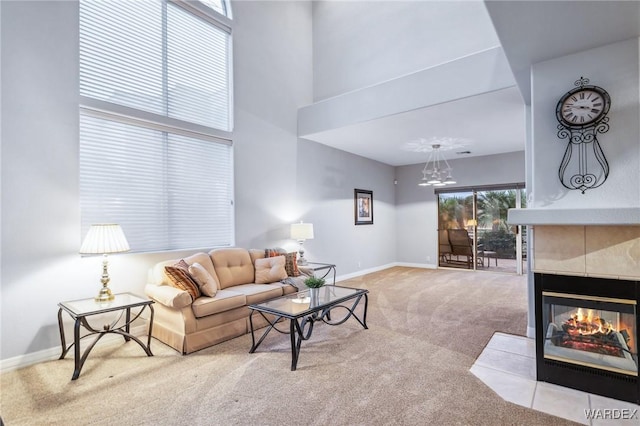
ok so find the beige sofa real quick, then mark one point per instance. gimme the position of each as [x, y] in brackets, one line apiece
[189, 325]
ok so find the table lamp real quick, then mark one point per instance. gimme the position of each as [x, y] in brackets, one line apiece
[104, 239]
[301, 232]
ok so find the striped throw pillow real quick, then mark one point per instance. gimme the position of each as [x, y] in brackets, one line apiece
[291, 264]
[180, 278]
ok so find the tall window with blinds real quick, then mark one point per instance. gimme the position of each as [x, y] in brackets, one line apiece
[155, 122]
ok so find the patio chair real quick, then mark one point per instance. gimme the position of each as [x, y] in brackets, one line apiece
[462, 245]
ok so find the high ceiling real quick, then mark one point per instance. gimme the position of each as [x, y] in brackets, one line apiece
[492, 122]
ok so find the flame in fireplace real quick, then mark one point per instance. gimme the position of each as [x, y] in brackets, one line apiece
[588, 324]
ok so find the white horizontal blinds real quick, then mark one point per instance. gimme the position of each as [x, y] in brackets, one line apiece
[120, 167]
[162, 176]
[166, 191]
[125, 45]
[200, 213]
[121, 53]
[198, 72]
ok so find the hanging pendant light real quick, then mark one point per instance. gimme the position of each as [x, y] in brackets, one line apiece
[436, 171]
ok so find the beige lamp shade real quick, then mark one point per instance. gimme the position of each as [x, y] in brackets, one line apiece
[472, 222]
[104, 238]
[302, 231]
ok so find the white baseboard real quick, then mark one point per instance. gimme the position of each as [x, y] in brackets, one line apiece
[52, 354]
[531, 332]
[417, 265]
[364, 272]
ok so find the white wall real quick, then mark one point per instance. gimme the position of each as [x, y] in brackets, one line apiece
[326, 181]
[281, 179]
[272, 77]
[417, 207]
[615, 68]
[360, 43]
[40, 209]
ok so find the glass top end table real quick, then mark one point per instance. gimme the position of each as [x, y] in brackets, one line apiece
[318, 267]
[80, 310]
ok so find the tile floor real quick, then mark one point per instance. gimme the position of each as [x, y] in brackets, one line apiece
[508, 366]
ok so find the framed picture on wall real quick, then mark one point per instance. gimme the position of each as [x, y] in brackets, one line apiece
[363, 206]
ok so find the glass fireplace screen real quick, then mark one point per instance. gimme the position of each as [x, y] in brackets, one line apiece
[591, 331]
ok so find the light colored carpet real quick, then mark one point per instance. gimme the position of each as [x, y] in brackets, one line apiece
[426, 328]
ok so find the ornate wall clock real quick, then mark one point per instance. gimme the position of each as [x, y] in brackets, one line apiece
[582, 115]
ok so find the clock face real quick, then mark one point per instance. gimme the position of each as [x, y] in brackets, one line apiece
[582, 107]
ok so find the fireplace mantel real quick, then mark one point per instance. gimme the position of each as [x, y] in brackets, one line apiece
[594, 217]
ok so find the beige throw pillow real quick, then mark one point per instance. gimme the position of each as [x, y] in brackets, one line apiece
[206, 282]
[270, 270]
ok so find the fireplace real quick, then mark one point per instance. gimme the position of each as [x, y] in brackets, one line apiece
[587, 334]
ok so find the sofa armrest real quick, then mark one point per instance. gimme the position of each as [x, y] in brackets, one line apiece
[169, 296]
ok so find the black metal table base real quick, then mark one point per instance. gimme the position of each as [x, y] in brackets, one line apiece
[301, 328]
[123, 330]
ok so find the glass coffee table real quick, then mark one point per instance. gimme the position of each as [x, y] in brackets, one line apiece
[305, 308]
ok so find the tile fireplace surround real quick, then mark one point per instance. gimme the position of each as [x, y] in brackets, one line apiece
[605, 251]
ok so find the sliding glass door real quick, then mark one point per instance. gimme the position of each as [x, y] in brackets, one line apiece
[455, 231]
[473, 231]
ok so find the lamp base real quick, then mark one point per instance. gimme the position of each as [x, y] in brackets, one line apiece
[105, 295]
[301, 260]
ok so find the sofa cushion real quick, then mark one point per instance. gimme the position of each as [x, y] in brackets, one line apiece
[208, 284]
[270, 270]
[233, 266]
[181, 279]
[224, 300]
[256, 293]
[256, 254]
